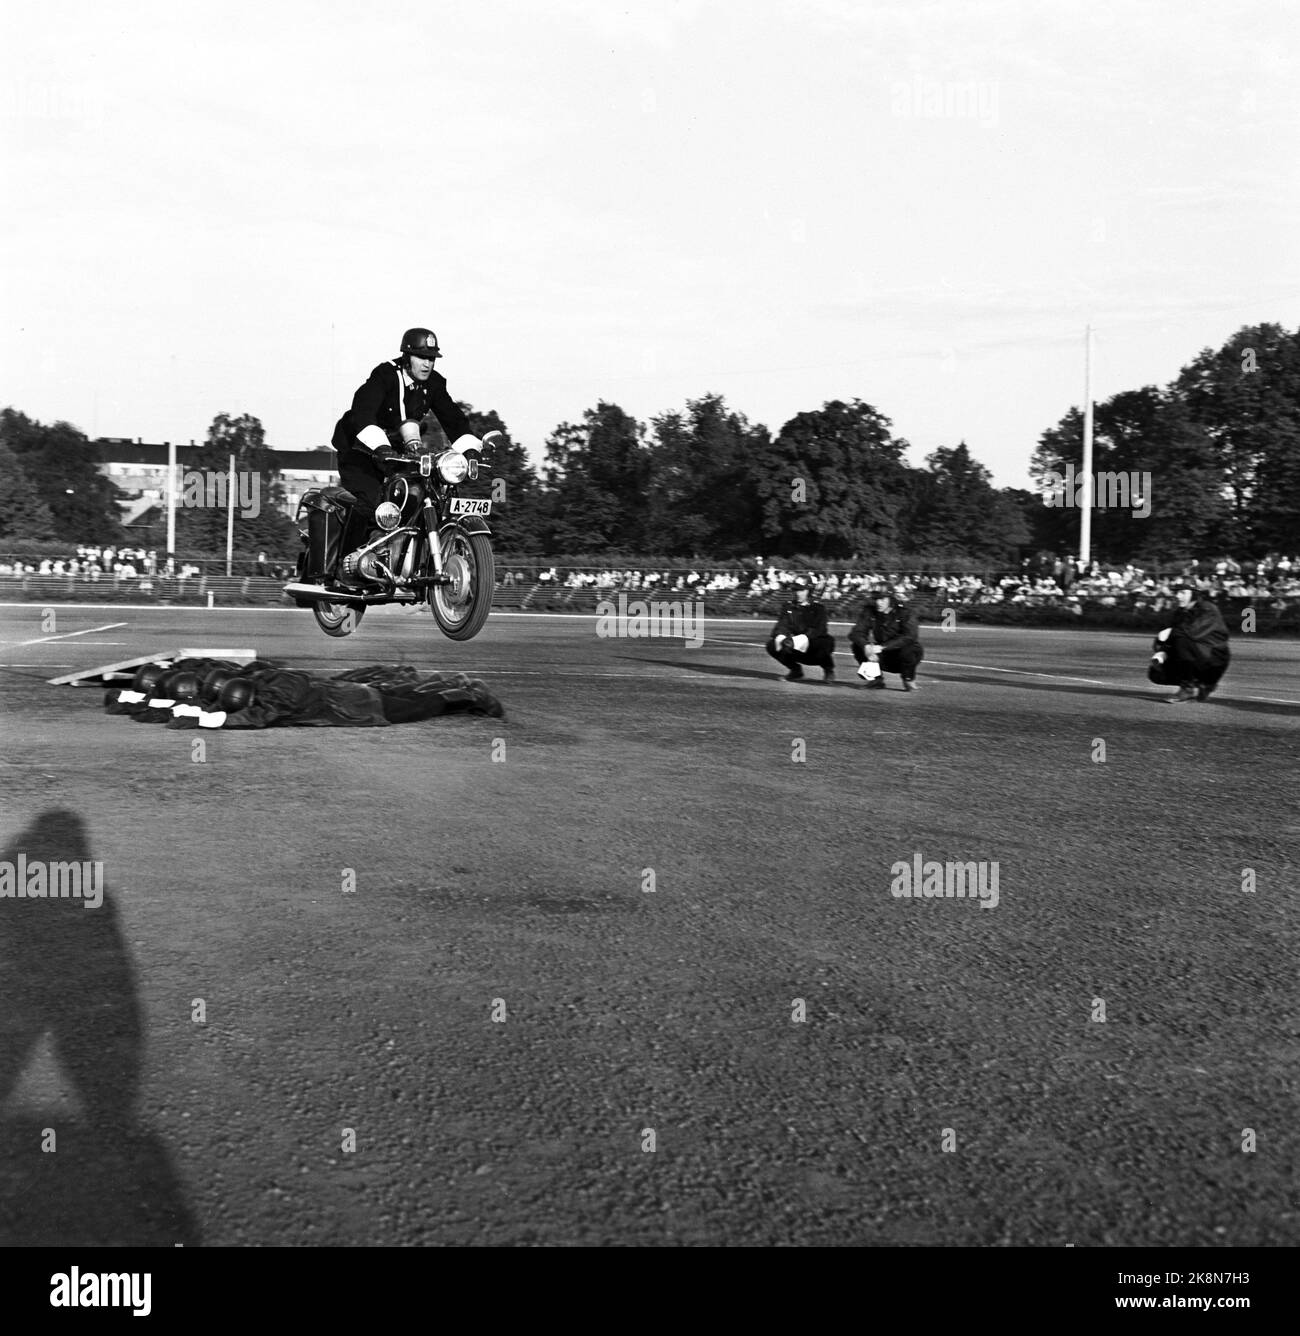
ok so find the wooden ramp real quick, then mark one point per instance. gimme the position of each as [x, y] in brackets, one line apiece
[114, 674]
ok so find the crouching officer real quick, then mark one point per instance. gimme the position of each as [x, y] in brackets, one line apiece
[885, 639]
[1191, 654]
[800, 636]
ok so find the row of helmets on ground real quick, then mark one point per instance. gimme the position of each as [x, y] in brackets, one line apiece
[221, 688]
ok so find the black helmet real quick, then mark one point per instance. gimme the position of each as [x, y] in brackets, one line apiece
[147, 677]
[162, 688]
[186, 686]
[213, 683]
[420, 343]
[237, 694]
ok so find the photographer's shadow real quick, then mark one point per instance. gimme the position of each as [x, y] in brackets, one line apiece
[93, 1177]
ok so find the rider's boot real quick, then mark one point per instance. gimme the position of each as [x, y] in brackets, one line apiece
[354, 539]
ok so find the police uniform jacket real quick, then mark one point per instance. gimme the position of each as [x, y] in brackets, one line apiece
[1199, 633]
[802, 619]
[895, 629]
[390, 397]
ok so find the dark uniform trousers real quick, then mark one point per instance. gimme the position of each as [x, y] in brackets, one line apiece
[817, 655]
[1186, 670]
[902, 661]
[364, 480]
[806, 619]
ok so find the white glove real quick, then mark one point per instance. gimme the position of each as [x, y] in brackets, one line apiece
[801, 644]
[466, 443]
[1164, 635]
[1159, 658]
[869, 671]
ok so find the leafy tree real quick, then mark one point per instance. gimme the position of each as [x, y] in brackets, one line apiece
[833, 484]
[703, 486]
[678, 524]
[1148, 434]
[1246, 397]
[577, 515]
[1140, 432]
[596, 477]
[1036, 519]
[23, 514]
[62, 466]
[956, 511]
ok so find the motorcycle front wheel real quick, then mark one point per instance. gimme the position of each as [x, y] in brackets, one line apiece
[338, 619]
[461, 607]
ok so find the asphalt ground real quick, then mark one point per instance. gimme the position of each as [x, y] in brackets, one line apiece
[625, 967]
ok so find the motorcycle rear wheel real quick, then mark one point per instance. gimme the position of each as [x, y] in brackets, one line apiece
[338, 619]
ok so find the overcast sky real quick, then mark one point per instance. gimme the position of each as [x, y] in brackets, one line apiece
[238, 207]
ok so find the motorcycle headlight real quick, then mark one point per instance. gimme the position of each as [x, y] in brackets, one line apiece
[453, 466]
[387, 515]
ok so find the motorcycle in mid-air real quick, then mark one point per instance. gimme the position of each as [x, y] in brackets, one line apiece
[426, 542]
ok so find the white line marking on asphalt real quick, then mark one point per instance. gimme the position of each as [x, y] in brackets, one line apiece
[988, 668]
[146, 607]
[66, 635]
[569, 672]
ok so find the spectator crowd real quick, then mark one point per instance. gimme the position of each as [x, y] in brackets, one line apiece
[92, 563]
[1045, 581]
[97, 563]
[132, 563]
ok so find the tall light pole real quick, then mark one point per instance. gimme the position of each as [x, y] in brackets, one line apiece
[1085, 520]
[230, 514]
[171, 504]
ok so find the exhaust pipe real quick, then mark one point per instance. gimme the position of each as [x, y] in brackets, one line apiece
[317, 593]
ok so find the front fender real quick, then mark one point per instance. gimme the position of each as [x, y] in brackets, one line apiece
[468, 524]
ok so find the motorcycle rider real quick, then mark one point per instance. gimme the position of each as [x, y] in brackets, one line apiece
[396, 395]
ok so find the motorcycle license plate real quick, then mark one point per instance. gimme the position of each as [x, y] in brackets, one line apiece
[463, 505]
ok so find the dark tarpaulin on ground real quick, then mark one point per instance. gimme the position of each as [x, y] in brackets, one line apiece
[370, 697]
